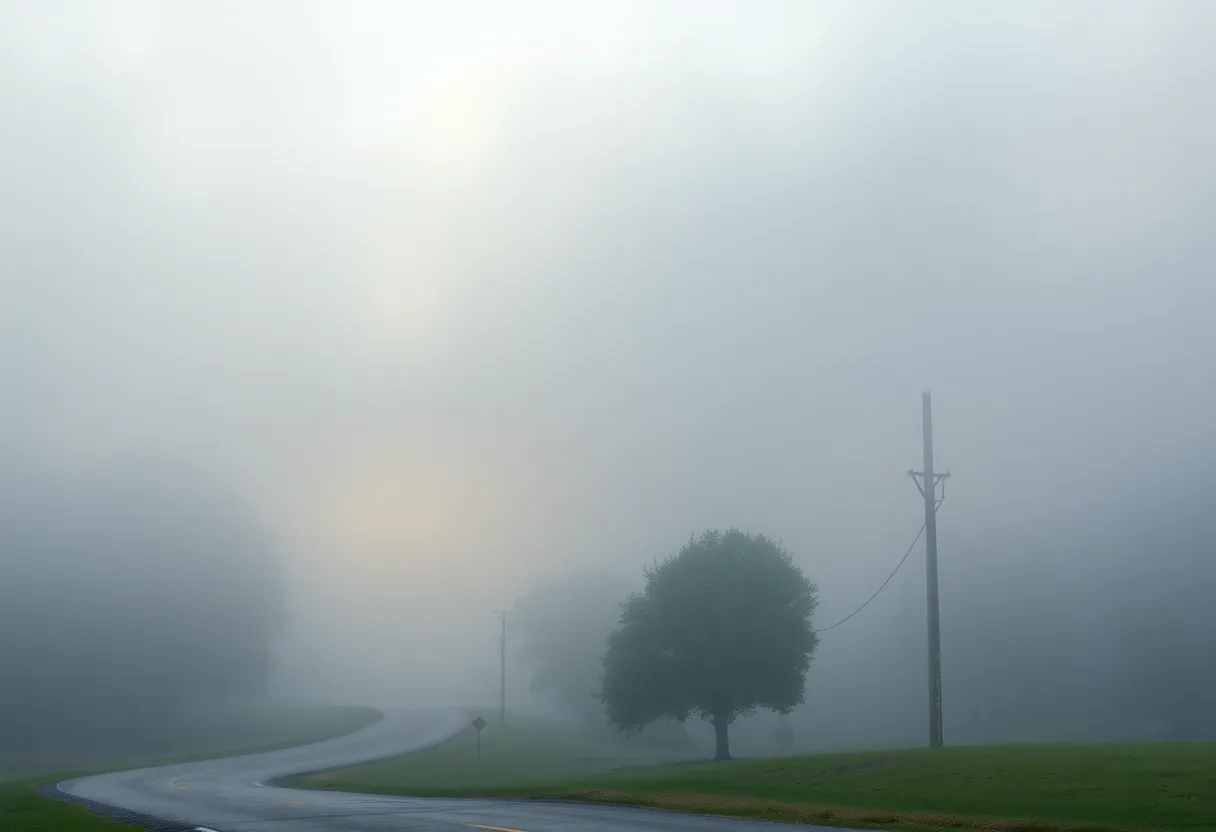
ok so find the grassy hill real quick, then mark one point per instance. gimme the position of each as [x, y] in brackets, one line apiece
[527, 748]
[1003, 789]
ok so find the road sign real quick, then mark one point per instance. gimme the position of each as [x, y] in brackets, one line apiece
[479, 723]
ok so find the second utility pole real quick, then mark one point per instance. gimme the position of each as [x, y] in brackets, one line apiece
[928, 489]
[502, 668]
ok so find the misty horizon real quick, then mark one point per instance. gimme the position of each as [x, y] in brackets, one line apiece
[459, 300]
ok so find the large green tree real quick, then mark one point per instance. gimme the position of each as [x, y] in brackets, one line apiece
[721, 629]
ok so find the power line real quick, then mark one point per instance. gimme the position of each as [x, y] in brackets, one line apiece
[915, 540]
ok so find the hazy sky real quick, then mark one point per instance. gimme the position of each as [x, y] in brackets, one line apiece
[461, 293]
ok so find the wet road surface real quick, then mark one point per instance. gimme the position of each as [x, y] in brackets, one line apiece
[236, 794]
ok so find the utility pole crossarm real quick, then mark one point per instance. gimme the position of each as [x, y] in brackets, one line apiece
[918, 477]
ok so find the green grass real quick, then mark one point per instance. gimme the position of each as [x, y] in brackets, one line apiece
[23, 809]
[526, 749]
[997, 789]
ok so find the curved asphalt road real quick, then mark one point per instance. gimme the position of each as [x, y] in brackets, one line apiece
[234, 795]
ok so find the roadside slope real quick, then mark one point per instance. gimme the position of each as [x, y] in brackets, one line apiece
[1082, 787]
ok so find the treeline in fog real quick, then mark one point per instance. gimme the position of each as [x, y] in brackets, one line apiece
[134, 601]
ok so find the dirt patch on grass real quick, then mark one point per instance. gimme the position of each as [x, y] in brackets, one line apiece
[828, 815]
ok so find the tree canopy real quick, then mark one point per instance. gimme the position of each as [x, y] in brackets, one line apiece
[721, 629]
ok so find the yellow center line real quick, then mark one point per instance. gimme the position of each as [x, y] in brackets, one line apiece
[493, 828]
[292, 803]
[173, 784]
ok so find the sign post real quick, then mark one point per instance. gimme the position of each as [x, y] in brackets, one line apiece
[479, 723]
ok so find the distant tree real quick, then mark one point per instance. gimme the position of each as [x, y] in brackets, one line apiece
[563, 625]
[721, 629]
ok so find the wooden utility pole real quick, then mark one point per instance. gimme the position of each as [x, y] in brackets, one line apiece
[927, 481]
[502, 668]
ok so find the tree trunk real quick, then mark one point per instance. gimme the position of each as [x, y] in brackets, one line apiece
[720, 734]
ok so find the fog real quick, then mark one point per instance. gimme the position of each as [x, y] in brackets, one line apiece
[459, 300]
